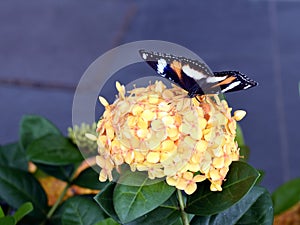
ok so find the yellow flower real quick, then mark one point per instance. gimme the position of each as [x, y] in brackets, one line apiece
[167, 134]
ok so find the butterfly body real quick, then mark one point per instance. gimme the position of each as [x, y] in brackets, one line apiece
[195, 77]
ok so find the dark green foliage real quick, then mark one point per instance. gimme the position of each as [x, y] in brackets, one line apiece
[133, 200]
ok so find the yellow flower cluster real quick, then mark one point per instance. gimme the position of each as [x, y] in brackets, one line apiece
[167, 134]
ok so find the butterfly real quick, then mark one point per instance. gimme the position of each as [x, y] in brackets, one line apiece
[194, 76]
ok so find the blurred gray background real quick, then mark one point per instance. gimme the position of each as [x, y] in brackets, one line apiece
[45, 47]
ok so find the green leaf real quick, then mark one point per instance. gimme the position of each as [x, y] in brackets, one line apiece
[261, 176]
[244, 153]
[54, 150]
[244, 150]
[240, 179]
[178, 222]
[166, 214]
[33, 127]
[131, 202]
[286, 196]
[261, 211]
[129, 178]
[23, 210]
[61, 172]
[11, 155]
[81, 210]
[239, 135]
[253, 208]
[108, 221]
[89, 178]
[202, 220]
[7, 220]
[1, 212]
[18, 187]
[105, 200]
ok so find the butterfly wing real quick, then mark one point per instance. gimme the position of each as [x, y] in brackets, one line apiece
[161, 64]
[194, 76]
[180, 70]
[230, 81]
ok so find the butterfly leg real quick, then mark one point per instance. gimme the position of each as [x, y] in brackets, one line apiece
[196, 97]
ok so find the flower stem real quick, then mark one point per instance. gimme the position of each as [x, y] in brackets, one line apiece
[62, 195]
[54, 207]
[184, 217]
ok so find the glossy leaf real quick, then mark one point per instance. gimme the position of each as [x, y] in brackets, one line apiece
[33, 127]
[54, 150]
[23, 210]
[61, 172]
[261, 177]
[166, 214]
[131, 202]
[108, 221]
[89, 178]
[105, 200]
[261, 211]
[253, 208]
[286, 196]
[11, 155]
[138, 178]
[202, 220]
[81, 210]
[7, 220]
[239, 180]
[18, 187]
[178, 222]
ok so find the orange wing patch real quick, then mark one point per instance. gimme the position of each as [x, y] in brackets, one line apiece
[176, 66]
[226, 81]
